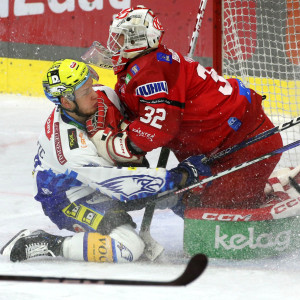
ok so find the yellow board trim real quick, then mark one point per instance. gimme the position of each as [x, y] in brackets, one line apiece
[283, 96]
[24, 77]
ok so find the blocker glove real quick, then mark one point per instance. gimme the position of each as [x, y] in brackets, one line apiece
[193, 170]
[107, 130]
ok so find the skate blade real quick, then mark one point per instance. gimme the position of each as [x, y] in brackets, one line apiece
[6, 249]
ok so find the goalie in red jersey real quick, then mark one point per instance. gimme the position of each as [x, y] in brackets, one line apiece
[173, 101]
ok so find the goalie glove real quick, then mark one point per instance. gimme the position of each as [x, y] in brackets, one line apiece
[107, 130]
[116, 147]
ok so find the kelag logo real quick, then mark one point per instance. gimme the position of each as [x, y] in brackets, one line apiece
[279, 241]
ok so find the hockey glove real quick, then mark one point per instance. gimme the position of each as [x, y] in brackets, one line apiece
[116, 147]
[193, 170]
[107, 130]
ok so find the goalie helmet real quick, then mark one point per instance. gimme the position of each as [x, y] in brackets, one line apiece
[64, 77]
[133, 31]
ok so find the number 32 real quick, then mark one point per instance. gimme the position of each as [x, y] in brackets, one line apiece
[153, 116]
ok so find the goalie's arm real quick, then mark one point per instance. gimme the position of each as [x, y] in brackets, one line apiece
[116, 147]
[108, 130]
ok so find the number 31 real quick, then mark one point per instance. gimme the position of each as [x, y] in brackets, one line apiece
[153, 116]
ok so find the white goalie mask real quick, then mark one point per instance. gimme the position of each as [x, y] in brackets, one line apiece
[133, 31]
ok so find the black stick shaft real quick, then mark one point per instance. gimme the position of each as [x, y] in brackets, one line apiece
[193, 270]
[149, 210]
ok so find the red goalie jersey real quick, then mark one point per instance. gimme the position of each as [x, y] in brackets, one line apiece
[175, 102]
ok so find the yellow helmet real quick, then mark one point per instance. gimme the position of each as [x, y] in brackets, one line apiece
[64, 77]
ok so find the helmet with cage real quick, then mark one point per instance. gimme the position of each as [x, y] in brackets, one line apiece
[133, 31]
[64, 77]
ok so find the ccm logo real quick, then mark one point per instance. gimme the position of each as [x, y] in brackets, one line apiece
[225, 217]
[284, 206]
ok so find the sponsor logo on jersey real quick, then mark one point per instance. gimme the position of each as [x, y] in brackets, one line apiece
[133, 186]
[82, 140]
[144, 134]
[279, 242]
[234, 123]
[127, 78]
[78, 228]
[164, 57]
[49, 125]
[58, 147]
[89, 217]
[72, 210]
[72, 136]
[46, 191]
[134, 69]
[164, 101]
[152, 88]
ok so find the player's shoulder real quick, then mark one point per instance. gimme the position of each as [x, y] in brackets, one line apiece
[158, 65]
[160, 59]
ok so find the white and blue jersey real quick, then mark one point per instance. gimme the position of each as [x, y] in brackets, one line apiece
[75, 186]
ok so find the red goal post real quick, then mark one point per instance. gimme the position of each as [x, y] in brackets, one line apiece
[258, 41]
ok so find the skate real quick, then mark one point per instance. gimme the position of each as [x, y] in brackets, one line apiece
[26, 245]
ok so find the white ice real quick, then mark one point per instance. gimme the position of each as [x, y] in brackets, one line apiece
[21, 120]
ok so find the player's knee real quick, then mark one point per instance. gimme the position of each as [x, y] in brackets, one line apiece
[122, 245]
[128, 245]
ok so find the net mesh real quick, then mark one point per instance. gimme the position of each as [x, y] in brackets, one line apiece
[261, 46]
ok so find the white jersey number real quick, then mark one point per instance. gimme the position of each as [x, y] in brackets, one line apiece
[154, 116]
[225, 90]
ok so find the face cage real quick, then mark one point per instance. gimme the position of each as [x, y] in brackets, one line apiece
[135, 41]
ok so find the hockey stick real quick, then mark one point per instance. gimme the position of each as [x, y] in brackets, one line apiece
[142, 202]
[257, 138]
[195, 35]
[193, 270]
[241, 166]
[152, 248]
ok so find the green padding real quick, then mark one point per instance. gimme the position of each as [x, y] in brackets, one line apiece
[241, 240]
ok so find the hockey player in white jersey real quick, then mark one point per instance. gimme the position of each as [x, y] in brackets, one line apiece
[79, 190]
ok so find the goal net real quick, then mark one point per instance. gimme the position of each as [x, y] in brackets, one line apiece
[261, 46]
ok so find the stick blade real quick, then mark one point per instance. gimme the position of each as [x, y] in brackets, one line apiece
[194, 269]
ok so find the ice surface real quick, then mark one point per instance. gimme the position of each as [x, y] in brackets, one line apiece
[21, 120]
